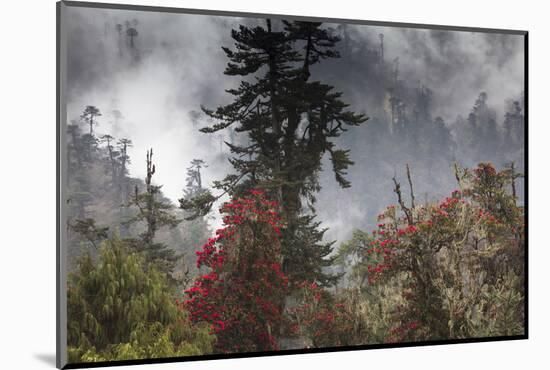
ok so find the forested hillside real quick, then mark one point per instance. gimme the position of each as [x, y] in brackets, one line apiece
[326, 202]
[104, 201]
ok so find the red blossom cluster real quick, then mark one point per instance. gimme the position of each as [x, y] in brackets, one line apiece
[485, 170]
[245, 285]
[401, 333]
[411, 229]
[488, 217]
[426, 223]
[209, 255]
[482, 210]
[320, 317]
[256, 208]
[381, 254]
[449, 202]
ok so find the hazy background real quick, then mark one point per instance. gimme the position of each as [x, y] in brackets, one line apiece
[177, 64]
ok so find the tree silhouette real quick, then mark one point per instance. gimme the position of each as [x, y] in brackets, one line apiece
[108, 139]
[88, 115]
[131, 32]
[123, 145]
[194, 177]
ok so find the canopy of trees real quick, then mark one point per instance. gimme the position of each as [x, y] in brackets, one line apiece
[150, 278]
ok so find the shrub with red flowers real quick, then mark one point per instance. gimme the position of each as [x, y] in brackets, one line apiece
[241, 295]
[324, 319]
[453, 269]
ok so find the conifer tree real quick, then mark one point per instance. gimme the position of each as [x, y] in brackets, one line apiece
[197, 227]
[132, 33]
[124, 160]
[113, 155]
[513, 124]
[89, 140]
[196, 230]
[88, 115]
[194, 178]
[291, 122]
[123, 145]
[156, 213]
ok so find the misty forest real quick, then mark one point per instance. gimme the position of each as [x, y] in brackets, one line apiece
[251, 185]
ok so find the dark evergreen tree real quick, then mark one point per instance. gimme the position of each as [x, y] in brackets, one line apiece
[113, 156]
[88, 115]
[441, 142]
[89, 141]
[513, 124]
[291, 121]
[132, 33]
[124, 161]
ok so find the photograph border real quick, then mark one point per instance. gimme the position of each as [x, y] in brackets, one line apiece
[61, 276]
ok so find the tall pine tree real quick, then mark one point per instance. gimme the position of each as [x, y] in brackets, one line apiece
[291, 121]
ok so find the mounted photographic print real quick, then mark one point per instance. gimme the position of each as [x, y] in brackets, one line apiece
[235, 185]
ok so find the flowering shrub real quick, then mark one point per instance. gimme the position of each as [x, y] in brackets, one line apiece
[241, 295]
[325, 319]
[451, 269]
[456, 266]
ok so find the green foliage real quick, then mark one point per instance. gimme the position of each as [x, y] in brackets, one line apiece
[306, 256]
[121, 308]
[340, 163]
[199, 205]
[446, 270]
